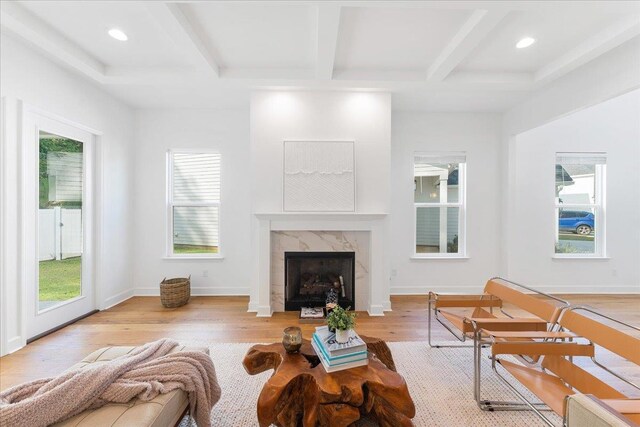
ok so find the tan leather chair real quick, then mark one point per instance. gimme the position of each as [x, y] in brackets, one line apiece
[465, 315]
[166, 410]
[557, 376]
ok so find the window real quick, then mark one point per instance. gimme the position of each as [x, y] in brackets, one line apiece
[439, 202]
[194, 204]
[579, 204]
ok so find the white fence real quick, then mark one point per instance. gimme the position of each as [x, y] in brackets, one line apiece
[60, 233]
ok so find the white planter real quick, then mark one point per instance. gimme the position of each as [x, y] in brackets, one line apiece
[342, 336]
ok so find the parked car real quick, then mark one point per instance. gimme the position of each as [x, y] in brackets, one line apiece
[579, 222]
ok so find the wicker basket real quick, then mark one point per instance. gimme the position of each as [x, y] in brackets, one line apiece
[175, 292]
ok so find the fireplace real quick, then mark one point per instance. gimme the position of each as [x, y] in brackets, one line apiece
[310, 276]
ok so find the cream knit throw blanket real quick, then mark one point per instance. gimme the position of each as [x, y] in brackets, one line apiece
[144, 373]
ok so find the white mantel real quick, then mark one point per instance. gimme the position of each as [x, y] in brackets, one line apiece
[320, 216]
[376, 224]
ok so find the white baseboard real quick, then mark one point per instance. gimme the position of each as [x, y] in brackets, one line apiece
[376, 310]
[14, 344]
[117, 299]
[264, 311]
[197, 291]
[424, 290]
[473, 289]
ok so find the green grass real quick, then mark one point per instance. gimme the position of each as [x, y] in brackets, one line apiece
[571, 236]
[60, 280]
[194, 249]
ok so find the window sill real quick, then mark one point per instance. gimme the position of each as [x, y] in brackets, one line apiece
[580, 257]
[193, 257]
[436, 257]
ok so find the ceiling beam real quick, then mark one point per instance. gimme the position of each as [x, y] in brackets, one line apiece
[149, 76]
[328, 27]
[23, 23]
[472, 32]
[185, 34]
[494, 80]
[597, 45]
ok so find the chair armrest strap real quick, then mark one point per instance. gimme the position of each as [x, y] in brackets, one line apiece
[485, 300]
[531, 348]
[528, 334]
[624, 406]
[508, 324]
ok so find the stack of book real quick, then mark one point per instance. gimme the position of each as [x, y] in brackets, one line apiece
[312, 315]
[335, 356]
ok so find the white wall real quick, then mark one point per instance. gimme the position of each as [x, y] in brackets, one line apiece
[224, 131]
[362, 117]
[612, 74]
[612, 127]
[479, 136]
[606, 77]
[29, 77]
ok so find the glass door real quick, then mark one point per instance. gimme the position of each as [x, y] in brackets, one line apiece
[60, 179]
[59, 273]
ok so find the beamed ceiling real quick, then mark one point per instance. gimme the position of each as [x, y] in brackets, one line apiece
[435, 55]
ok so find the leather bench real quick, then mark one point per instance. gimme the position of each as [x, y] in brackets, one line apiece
[165, 410]
[587, 410]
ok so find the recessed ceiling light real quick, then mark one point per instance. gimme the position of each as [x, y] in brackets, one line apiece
[525, 42]
[118, 34]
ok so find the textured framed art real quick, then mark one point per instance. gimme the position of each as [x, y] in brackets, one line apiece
[319, 176]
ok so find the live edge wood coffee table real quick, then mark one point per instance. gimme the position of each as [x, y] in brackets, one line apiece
[301, 393]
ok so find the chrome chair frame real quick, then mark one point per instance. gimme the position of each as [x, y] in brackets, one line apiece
[496, 405]
[460, 337]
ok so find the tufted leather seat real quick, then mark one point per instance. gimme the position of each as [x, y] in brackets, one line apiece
[165, 410]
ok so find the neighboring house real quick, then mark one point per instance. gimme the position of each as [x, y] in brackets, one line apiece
[427, 189]
[64, 172]
[581, 187]
[60, 228]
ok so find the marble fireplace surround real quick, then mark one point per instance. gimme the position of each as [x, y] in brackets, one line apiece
[320, 241]
[364, 234]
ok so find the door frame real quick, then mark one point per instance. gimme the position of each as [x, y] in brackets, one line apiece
[91, 218]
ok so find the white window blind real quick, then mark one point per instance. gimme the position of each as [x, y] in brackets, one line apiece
[196, 177]
[427, 158]
[581, 158]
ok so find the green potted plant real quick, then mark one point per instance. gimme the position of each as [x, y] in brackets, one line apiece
[342, 321]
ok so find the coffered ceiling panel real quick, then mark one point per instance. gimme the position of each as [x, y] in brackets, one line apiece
[394, 38]
[86, 24]
[255, 34]
[555, 31]
[447, 55]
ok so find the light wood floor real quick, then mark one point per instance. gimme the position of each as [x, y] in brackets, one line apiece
[225, 319]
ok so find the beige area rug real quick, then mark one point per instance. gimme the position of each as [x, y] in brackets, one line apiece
[439, 380]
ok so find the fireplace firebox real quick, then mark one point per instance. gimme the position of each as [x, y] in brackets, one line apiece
[310, 276]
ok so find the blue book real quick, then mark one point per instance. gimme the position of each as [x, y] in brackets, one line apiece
[334, 348]
[340, 367]
[343, 358]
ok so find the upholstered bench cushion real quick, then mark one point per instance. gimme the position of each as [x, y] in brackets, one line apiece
[164, 410]
[589, 411]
